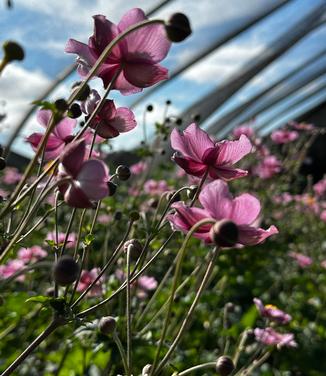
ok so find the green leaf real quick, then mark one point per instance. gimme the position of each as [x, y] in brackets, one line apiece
[89, 238]
[40, 299]
[45, 105]
[249, 318]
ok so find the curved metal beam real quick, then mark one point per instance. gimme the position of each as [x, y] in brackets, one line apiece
[215, 98]
[206, 51]
[271, 100]
[242, 107]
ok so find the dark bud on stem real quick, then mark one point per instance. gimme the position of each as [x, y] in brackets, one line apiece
[178, 27]
[149, 108]
[61, 105]
[65, 271]
[195, 117]
[3, 163]
[117, 215]
[134, 216]
[152, 203]
[135, 248]
[123, 172]
[12, 51]
[82, 96]
[74, 111]
[224, 233]
[178, 121]
[192, 191]
[112, 188]
[224, 365]
[107, 325]
[168, 102]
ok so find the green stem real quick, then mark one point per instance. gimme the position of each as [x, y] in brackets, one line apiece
[121, 351]
[181, 254]
[185, 322]
[196, 368]
[128, 312]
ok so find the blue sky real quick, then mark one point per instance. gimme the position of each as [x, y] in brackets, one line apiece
[43, 27]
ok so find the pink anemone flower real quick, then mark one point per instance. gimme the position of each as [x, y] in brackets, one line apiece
[136, 57]
[270, 337]
[58, 139]
[87, 278]
[245, 129]
[218, 204]
[31, 254]
[197, 152]
[302, 260]
[88, 179]
[268, 167]
[272, 312]
[110, 121]
[284, 136]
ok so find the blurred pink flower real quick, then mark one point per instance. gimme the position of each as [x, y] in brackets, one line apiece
[155, 187]
[88, 277]
[284, 136]
[60, 136]
[244, 129]
[12, 266]
[11, 175]
[218, 204]
[320, 187]
[88, 178]
[137, 55]
[283, 198]
[3, 193]
[197, 152]
[323, 215]
[272, 312]
[110, 121]
[145, 284]
[301, 259]
[270, 337]
[301, 126]
[138, 168]
[31, 254]
[323, 264]
[104, 218]
[268, 167]
[58, 139]
[61, 238]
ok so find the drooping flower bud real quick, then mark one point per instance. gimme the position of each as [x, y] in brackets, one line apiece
[74, 111]
[150, 108]
[12, 51]
[123, 172]
[134, 216]
[178, 27]
[107, 325]
[112, 188]
[61, 104]
[224, 233]
[135, 248]
[224, 365]
[176, 198]
[65, 271]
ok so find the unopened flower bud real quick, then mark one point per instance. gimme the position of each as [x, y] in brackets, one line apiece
[230, 307]
[192, 191]
[123, 172]
[74, 111]
[152, 203]
[135, 248]
[224, 365]
[65, 271]
[3, 163]
[176, 198]
[195, 117]
[61, 104]
[178, 121]
[134, 216]
[107, 325]
[149, 108]
[178, 27]
[50, 291]
[83, 95]
[112, 188]
[168, 102]
[224, 233]
[12, 51]
[146, 370]
[117, 215]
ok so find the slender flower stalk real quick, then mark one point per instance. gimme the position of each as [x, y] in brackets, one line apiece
[196, 368]
[185, 322]
[128, 313]
[181, 254]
